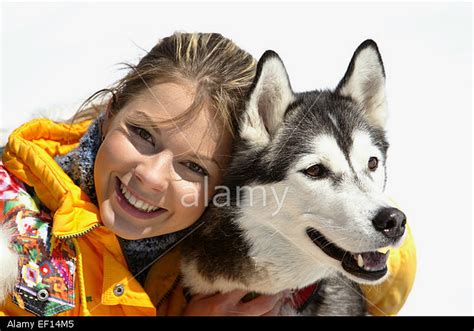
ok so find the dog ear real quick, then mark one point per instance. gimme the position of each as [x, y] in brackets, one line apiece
[364, 82]
[268, 100]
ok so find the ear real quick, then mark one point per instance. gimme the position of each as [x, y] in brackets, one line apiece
[268, 100]
[106, 119]
[364, 82]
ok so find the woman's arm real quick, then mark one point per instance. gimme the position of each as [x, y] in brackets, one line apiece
[230, 304]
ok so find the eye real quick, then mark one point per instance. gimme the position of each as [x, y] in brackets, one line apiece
[142, 133]
[316, 171]
[373, 163]
[196, 168]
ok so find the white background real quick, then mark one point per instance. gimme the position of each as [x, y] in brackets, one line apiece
[56, 55]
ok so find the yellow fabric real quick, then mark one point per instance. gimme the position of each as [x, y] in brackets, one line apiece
[388, 298]
[168, 300]
[100, 265]
[29, 155]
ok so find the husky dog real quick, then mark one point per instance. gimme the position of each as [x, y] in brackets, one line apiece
[302, 201]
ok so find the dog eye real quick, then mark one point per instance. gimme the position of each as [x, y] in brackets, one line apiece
[316, 171]
[373, 163]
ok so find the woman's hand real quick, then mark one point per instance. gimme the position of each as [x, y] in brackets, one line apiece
[229, 304]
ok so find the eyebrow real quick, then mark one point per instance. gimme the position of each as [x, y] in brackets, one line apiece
[145, 116]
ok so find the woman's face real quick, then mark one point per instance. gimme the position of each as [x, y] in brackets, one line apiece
[150, 181]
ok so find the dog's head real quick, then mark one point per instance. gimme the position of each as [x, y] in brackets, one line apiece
[323, 154]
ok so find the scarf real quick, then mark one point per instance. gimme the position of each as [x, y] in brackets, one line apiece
[79, 166]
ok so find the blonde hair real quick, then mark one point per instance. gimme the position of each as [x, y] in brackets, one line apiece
[218, 69]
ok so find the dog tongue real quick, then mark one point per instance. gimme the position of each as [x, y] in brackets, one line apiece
[374, 260]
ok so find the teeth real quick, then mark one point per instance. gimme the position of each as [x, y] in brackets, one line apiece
[360, 261]
[383, 250]
[139, 204]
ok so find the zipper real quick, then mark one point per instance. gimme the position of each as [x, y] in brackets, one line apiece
[80, 278]
[168, 293]
[75, 235]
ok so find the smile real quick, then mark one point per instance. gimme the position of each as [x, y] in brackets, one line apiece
[133, 205]
[367, 265]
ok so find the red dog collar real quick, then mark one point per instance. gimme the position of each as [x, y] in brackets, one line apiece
[301, 298]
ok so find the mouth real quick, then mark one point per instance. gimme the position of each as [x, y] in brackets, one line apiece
[369, 266]
[134, 206]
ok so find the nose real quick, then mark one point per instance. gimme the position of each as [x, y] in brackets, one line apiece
[391, 222]
[155, 172]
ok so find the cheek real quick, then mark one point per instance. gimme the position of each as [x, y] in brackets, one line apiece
[189, 196]
[196, 193]
[188, 204]
[115, 149]
[191, 199]
[113, 155]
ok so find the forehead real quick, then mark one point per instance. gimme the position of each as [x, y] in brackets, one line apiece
[327, 150]
[162, 102]
[323, 123]
[324, 112]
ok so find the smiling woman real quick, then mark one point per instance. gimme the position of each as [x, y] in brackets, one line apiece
[142, 170]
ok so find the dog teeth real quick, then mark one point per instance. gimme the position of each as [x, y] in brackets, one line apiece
[360, 261]
[383, 250]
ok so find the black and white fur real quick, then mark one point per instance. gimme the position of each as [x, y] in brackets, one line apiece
[247, 246]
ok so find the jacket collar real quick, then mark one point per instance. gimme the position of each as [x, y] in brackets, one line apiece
[29, 155]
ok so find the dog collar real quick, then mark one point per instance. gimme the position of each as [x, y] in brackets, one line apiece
[303, 297]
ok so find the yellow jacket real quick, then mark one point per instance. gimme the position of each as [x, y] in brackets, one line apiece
[100, 281]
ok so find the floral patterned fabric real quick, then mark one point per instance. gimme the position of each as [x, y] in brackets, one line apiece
[45, 285]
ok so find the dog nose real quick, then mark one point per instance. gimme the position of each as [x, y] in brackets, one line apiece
[391, 222]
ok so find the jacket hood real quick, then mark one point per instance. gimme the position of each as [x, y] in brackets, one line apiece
[29, 155]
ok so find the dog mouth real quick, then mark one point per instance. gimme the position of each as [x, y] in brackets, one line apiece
[369, 266]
